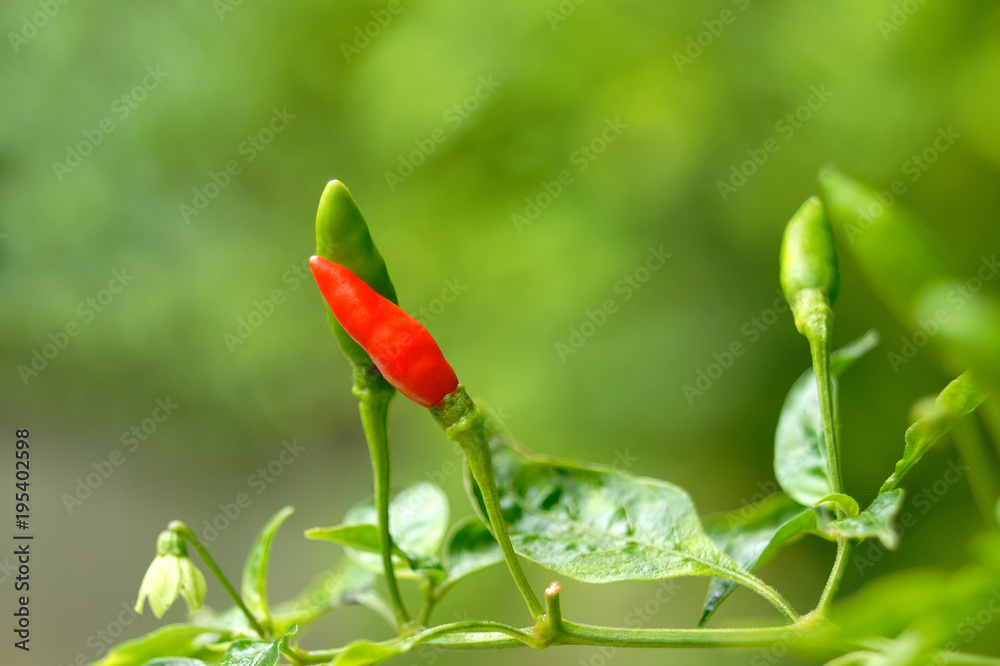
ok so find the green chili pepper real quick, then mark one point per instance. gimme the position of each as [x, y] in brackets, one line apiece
[342, 237]
[810, 278]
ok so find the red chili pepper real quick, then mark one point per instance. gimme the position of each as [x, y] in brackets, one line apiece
[399, 345]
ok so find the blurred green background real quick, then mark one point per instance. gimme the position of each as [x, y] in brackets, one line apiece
[185, 145]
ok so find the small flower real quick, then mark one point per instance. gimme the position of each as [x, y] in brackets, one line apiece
[171, 573]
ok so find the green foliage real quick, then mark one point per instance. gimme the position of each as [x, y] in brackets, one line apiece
[800, 462]
[180, 640]
[875, 521]
[596, 524]
[255, 568]
[418, 518]
[469, 549]
[753, 535]
[366, 653]
[956, 401]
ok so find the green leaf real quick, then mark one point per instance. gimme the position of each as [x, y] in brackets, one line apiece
[930, 604]
[800, 463]
[179, 640]
[366, 653]
[251, 653]
[752, 535]
[255, 570]
[845, 502]
[875, 521]
[469, 548]
[418, 520]
[958, 399]
[362, 537]
[344, 585]
[598, 525]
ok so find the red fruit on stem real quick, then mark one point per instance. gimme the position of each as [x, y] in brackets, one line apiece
[399, 345]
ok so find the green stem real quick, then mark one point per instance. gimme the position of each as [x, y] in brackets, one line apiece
[463, 422]
[763, 589]
[431, 598]
[184, 531]
[374, 396]
[845, 548]
[819, 347]
[477, 450]
[588, 634]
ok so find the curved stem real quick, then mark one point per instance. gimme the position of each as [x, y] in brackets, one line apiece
[480, 462]
[463, 422]
[763, 589]
[184, 531]
[374, 408]
[845, 548]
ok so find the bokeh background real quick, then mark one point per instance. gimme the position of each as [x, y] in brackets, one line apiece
[185, 144]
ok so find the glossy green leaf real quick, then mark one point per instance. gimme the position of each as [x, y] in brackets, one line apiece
[845, 502]
[366, 653]
[418, 521]
[597, 525]
[875, 521]
[362, 537]
[344, 585]
[251, 653]
[800, 463]
[179, 640]
[470, 548]
[958, 399]
[255, 569]
[752, 535]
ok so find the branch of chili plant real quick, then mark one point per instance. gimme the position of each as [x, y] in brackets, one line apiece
[185, 532]
[374, 396]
